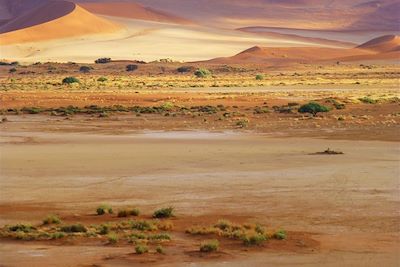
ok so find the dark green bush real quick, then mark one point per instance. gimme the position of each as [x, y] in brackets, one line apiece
[141, 249]
[209, 246]
[164, 213]
[185, 69]
[313, 108]
[132, 67]
[202, 73]
[102, 60]
[103, 209]
[74, 228]
[70, 80]
[85, 69]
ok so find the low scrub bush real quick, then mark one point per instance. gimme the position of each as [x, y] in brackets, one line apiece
[74, 228]
[52, 219]
[102, 79]
[202, 73]
[313, 108]
[131, 67]
[26, 228]
[209, 246]
[70, 80]
[185, 69]
[164, 213]
[141, 249]
[368, 100]
[259, 77]
[254, 239]
[102, 60]
[143, 226]
[103, 209]
[112, 238]
[85, 69]
[280, 235]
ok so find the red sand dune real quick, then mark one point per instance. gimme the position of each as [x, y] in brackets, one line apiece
[387, 43]
[38, 15]
[51, 21]
[132, 10]
[281, 55]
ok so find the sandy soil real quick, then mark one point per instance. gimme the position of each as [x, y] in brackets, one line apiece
[345, 204]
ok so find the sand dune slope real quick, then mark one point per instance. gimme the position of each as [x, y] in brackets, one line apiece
[387, 43]
[282, 55]
[133, 11]
[76, 23]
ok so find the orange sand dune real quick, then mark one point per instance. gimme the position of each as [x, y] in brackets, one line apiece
[134, 11]
[76, 23]
[387, 43]
[280, 55]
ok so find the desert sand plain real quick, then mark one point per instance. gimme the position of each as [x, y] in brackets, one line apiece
[208, 119]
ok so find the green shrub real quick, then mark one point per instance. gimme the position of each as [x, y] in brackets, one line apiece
[242, 123]
[102, 60]
[135, 236]
[102, 79]
[209, 246]
[70, 80]
[160, 250]
[259, 77]
[313, 108]
[57, 235]
[281, 234]
[74, 228]
[184, 69]
[143, 226]
[164, 213]
[367, 100]
[52, 219]
[202, 73]
[104, 229]
[162, 236]
[85, 69]
[26, 228]
[112, 238]
[255, 239]
[141, 249]
[223, 225]
[132, 67]
[103, 209]
[31, 110]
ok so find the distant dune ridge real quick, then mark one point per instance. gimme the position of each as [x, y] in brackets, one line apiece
[385, 47]
[281, 31]
[54, 20]
[387, 43]
[132, 10]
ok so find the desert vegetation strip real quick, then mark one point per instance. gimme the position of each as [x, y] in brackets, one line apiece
[144, 233]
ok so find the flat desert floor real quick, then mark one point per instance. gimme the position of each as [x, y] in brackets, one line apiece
[345, 206]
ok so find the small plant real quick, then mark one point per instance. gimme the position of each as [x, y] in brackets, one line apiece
[367, 100]
[202, 73]
[70, 80]
[143, 226]
[141, 249]
[162, 236]
[102, 79]
[313, 108]
[26, 228]
[102, 60]
[52, 219]
[112, 238]
[74, 228]
[209, 246]
[132, 67]
[104, 229]
[280, 235]
[85, 69]
[160, 250]
[223, 225]
[57, 235]
[31, 110]
[259, 77]
[255, 239]
[185, 69]
[103, 209]
[164, 213]
[242, 123]
[12, 70]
